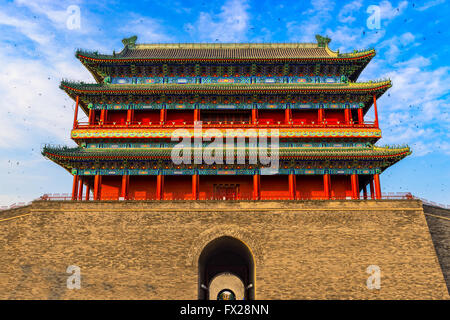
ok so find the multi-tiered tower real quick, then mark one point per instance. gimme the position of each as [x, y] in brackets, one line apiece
[303, 93]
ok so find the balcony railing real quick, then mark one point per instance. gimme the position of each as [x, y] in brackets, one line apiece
[241, 196]
[262, 123]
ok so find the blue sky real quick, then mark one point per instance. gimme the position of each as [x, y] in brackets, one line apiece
[37, 51]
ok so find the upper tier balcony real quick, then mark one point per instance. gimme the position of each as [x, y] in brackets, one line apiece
[261, 123]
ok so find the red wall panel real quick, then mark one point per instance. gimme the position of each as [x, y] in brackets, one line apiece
[180, 115]
[117, 116]
[341, 186]
[333, 116]
[142, 187]
[177, 187]
[271, 115]
[206, 184]
[310, 187]
[110, 188]
[274, 187]
[146, 116]
[307, 116]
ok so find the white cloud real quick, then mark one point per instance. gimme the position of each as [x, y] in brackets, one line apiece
[32, 102]
[430, 4]
[346, 38]
[147, 29]
[228, 25]
[32, 30]
[346, 13]
[416, 109]
[56, 14]
[315, 20]
[396, 45]
[389, 12]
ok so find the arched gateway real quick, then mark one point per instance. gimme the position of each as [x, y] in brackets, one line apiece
[226, 270]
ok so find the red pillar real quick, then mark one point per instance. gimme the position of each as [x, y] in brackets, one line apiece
[162, 116]
[195, 183]
[102, 116]
[196, 114]
[97, 187]
[287, 115]
[75, 187]
[376, 179]
[75, 116]
[159, 187]
[80, 189]
[347, 115]
[88, 190]
[254, 116]
[292, 187]
[91, 114]
[321, 115]
[256, 191]
[360, 116]
[355, 189]
[327, 186]
[375, 110]
[123, 193]
[129, 116]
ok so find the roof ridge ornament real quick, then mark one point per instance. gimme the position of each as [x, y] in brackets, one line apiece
[322, 42]
[130, 42]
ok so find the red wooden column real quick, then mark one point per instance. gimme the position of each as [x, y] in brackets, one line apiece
[347, 115]
[375, 110]
[80, 188]
[321, 115]
[195, 183]
[97, 187]
[376, 179]
[75, 187]
[91, 116]
[254, 115]
[75, 116]
[327, 186]
[130, 113]
[372, 192]
[159, 187]
[292, 187]
[256, 187]
[123, 193]
[102, 116]
[360, 116]
[162, 116]
[287, 115]
[355, 189]
[196, 114]
[88, 190]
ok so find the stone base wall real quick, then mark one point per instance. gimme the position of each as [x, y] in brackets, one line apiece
[150, 250]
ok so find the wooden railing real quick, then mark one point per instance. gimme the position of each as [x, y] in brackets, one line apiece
[241, 196]
[225, 124]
